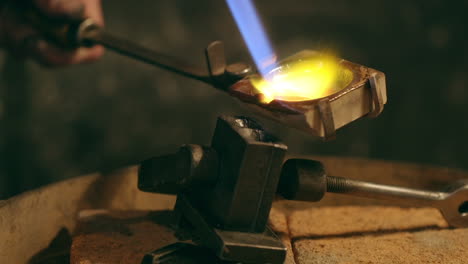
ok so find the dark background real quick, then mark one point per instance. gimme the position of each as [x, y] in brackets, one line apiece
[56, 124]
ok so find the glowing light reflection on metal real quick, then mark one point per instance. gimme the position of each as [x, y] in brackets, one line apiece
[304, 79]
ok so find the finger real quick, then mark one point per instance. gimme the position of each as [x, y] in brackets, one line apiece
[73, 9]
[93, 9]
[23, 41]
[52, 56]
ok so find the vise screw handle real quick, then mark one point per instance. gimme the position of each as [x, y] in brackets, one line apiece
[81, 31]
[307, 180]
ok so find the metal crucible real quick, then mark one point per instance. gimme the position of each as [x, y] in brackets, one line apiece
[363, 93]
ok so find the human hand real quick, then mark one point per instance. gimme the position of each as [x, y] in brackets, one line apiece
[18, 37]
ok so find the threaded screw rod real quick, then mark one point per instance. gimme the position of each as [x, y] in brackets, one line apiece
[402, 195]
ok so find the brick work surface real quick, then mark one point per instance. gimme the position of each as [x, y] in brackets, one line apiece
[346, 234]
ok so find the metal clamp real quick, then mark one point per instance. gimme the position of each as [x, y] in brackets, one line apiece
[326, 115]
[211, 182]
[377, 85]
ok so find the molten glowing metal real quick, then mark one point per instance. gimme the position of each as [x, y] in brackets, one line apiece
[303, 79]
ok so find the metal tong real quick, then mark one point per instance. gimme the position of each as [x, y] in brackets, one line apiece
[86, 33]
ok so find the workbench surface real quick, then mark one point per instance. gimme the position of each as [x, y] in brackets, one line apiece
[106, 219]
[346, 234]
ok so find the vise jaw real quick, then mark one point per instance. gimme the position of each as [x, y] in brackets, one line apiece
[224, 192]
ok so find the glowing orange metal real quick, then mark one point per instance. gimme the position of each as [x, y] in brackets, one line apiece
[306, 78]
[315, 93]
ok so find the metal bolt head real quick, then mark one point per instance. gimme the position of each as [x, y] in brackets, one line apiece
[191, 166]
[303, 180]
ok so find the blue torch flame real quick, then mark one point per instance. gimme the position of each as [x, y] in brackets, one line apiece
[253, 33]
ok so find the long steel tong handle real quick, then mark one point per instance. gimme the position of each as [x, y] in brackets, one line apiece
[84, 32]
